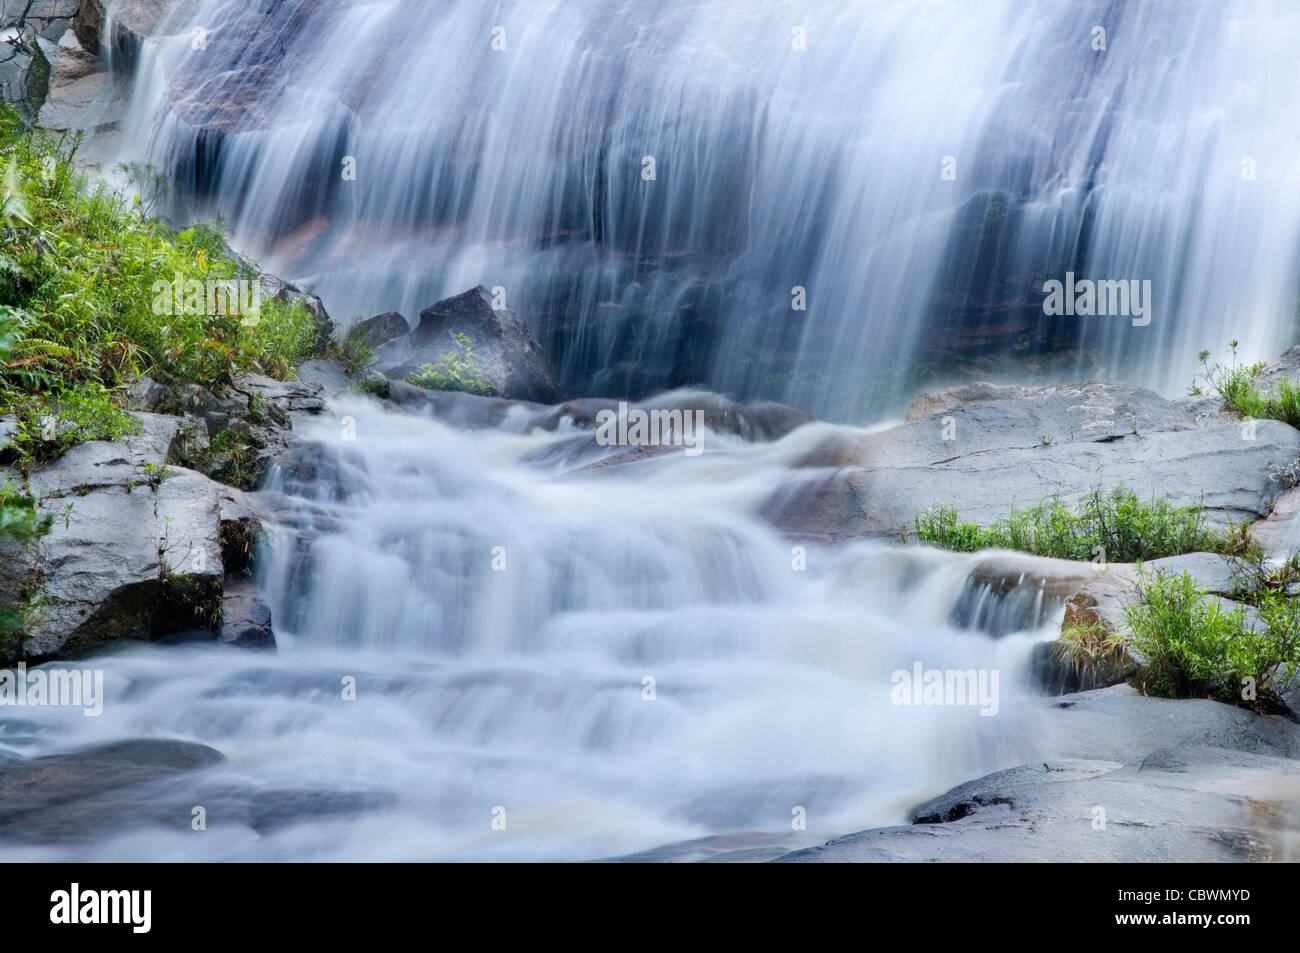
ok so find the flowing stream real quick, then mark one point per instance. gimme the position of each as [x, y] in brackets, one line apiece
[523, 686]
[628, 661]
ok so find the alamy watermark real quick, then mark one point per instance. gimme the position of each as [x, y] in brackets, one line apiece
[211, 297]
[1085, 297]
[76, 905]
[651, 428]
[953, 687]
[53, 688]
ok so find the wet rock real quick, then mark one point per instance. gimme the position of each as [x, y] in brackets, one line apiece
[40, 785]
[132, 22]
[461, 410]
[272, 810]
[504, 347]
[89, 102]
[1187, 780]
[1278, 534]
[246, 618]
[383, 328]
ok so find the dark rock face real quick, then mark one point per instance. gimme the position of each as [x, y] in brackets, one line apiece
[383, 328]
[324, 326]
[246, 618]
[503, 346]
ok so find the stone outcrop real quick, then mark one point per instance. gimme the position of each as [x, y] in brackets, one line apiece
[503, 346]
[151, 535]
[987, 450]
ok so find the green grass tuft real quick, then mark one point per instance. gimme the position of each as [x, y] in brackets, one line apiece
[1114, 527]
[1196, 648]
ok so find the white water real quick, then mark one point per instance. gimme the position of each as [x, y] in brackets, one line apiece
[523, 688]
[776, 167]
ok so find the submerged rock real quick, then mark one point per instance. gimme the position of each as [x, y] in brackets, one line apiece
[30, 790]
[1124, 778]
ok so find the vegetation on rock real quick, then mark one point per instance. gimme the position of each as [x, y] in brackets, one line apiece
[1235, 383]
[80, 268]
[1116, 527]
[455, 370]
[1196, 647]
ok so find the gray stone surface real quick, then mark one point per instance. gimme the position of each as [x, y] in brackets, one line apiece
[137, 547]
[89, 102]
[1189, 780]
[1015, 449]
[383, 327]
[1279, 533]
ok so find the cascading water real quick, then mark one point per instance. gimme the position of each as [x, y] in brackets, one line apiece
[628, 661]
[501, 616]
[507, 144]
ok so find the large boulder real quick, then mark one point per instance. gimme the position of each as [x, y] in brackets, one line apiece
[24, 76]
[132, 21]
[246, 618]
[140, 547]
[134, 550]
[81, 96]
[987, 450]
[503, 346]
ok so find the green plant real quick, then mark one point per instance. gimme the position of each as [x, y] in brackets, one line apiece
[87, 287]
[156, 473]
[21, 521]
[1236, 385]
[240, 467]
[456, 370]
[1195, 648]
[49, 424]
[1090, 644]
[355, 352]
[1093, 654]
[1117, 526]
[380, 387]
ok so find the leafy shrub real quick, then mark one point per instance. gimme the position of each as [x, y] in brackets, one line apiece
[1116, 525]
[455, 370]
[1195, 648]
[78, 270]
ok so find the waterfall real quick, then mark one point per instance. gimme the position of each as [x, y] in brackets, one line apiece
[918, 168]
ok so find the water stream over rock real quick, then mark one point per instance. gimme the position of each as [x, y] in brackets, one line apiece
[524, 686]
